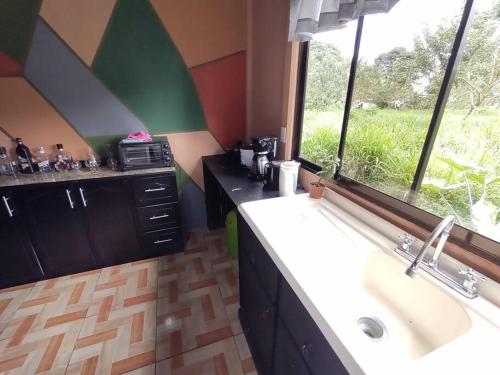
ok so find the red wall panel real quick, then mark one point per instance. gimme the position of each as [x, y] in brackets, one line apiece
[221, 87]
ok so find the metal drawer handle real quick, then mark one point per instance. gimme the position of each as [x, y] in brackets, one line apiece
[306, 351]
[150, 190]
[10, 211]
[82, 195]
[71, 203]
[161, 241]
[154, 217]
[266, 314]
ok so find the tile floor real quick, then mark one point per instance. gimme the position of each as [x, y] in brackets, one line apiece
[176, 314]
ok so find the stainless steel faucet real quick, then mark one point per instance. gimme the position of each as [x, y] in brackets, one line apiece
[443, 229]
[464, 281]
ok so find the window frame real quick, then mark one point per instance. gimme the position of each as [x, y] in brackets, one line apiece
[469, 240]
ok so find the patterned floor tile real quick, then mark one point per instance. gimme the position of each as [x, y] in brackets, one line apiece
[190, 320]
[124, 285]
[10, 301]
[245, 355]
[118, 342]
[220, 358]
[181, 310]
[40, 352]
[50, 303]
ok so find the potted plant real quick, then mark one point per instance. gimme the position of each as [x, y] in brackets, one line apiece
[317, 188]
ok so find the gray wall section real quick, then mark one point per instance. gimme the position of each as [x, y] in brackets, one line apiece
[192, 202]
[73, 90]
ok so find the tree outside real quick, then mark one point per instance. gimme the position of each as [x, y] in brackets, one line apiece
[393, 100]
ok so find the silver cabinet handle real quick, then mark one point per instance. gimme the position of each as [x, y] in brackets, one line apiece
[10, 211]
[71, 203]
[154, 217]
[150, 190]
[161, 241]
[82, 195]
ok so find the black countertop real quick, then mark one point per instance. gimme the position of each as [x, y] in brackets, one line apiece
[235, 182]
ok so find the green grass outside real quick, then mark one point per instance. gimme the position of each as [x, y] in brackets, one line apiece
[383, 147]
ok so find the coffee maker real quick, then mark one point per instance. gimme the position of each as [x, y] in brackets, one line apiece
[264, 150]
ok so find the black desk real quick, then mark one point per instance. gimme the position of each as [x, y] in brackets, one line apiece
[227, 186]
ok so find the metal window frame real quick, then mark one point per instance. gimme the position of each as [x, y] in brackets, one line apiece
[471, 241]
[442, 99]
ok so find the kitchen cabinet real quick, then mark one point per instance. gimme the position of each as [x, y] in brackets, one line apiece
[57, 228]
[306, 336]
[258, 318]
[19, 263]
[109, 218]
[287, 359]
[76, 222]
[282, 336]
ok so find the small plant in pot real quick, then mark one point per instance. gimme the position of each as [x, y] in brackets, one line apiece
[317, 188]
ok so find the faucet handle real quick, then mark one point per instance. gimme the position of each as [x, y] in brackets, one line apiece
[407, 241]
[471, 278]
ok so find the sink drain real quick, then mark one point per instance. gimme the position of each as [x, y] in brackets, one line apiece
[372, 327]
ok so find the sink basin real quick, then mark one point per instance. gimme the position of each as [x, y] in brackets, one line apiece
[419, 316]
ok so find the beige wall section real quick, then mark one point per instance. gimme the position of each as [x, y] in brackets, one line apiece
[189, 147]
[80, 23]
[25, 114]
[268, 28]
[204, 30]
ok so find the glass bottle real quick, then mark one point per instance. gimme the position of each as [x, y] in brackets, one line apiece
[111, 160]
[63, 159]
[43, 161]
[6, 165]
[27, 163]
[92, 162]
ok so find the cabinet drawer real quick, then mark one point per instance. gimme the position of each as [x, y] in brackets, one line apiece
[160, 215]
[161, 242]
[252, 251]
[314, 348]
[155, 188]
[287, 359]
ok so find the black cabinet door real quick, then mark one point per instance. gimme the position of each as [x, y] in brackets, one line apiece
[107, 208]
[287, 358]
[258, 317]
[314, 348]
[58, 230]
[18, 262]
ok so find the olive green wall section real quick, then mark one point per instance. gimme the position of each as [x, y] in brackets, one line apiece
[17, 21]
[140, 64]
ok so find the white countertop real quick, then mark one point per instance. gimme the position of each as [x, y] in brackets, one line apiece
[322, 251]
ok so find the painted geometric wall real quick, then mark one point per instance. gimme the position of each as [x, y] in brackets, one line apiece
[86, 72]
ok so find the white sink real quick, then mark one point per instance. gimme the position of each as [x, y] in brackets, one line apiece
[377, 319]
[419, 316]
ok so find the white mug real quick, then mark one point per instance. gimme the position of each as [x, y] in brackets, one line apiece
[289, 174]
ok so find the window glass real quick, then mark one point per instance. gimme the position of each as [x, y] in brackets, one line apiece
[463, 174]
[402, 59]
[328, 67]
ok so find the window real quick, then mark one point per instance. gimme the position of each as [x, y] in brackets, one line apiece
[418, 118]
[398, 77]
[329, 62]
[463, 174]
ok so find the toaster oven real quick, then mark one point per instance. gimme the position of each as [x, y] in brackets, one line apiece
[142, 155]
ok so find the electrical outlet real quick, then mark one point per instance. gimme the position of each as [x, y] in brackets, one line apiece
[283, 134]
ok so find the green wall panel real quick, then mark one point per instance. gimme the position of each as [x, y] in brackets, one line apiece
[139, 62]
[17, 22]
[99, 143]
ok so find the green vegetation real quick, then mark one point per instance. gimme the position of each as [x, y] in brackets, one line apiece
[383, 148]
[393, 101]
